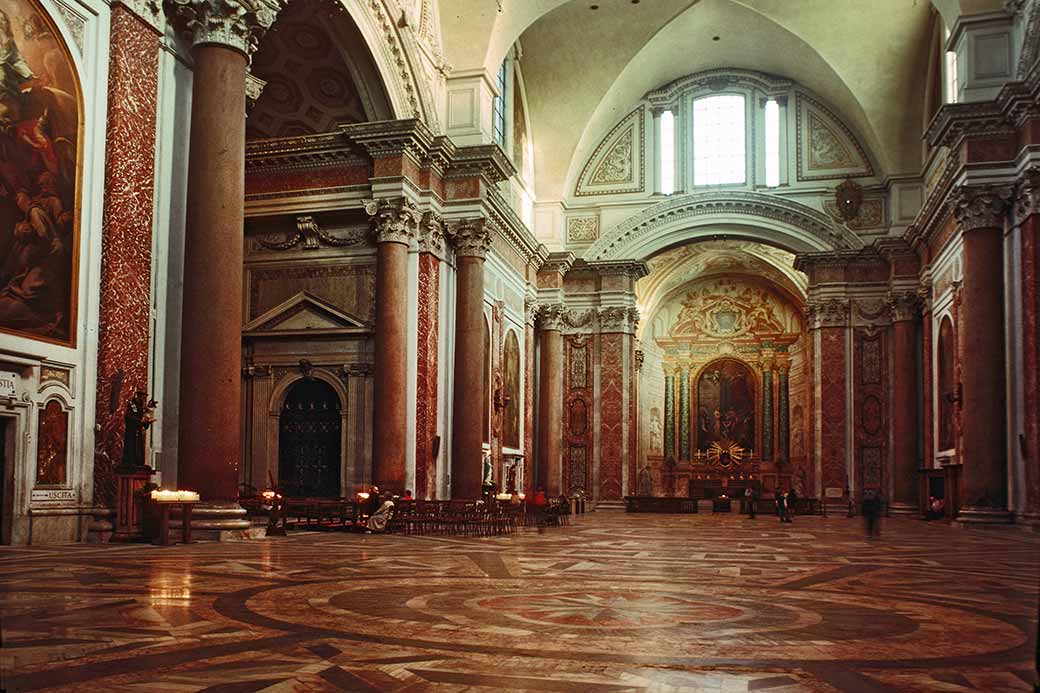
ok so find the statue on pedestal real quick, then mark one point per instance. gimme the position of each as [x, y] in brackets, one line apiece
[139, 417]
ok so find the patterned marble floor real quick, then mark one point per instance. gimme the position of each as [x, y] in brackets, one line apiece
[613, 602]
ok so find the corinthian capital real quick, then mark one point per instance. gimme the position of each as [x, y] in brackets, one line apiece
[980, 206]
[431, 235]
[552, 317]
[238, 24]
[903, 305]
[396, 221]
[472, 238]
[1027, 195]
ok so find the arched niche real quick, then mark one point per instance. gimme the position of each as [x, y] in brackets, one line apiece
[945, 357]
[511, 391]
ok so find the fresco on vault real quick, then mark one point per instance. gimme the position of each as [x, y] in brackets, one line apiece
[39, 169]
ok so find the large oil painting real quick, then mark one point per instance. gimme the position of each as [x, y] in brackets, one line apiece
[39, 149]
[726, 405]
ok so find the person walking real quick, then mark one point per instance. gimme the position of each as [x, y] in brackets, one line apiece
[872, 513]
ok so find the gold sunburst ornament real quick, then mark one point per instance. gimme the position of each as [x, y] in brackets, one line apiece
[725, 453]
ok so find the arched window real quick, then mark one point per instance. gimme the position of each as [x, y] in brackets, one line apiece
[511, 391]
[719, 140]
[947, 387]
[498, 115]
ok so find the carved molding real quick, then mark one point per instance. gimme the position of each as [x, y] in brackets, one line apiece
[396, 220]
[238, 24]
[980, 207]
[312, 235]
[471, 237]
[531, 309]
[618, 319]
[833, 312]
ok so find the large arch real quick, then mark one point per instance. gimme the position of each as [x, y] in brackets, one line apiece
[749, 215]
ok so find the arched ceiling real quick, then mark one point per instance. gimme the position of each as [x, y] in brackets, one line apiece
[585, 68]
[318, 71]
[675, 268]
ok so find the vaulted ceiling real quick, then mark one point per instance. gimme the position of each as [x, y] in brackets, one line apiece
[584, 68]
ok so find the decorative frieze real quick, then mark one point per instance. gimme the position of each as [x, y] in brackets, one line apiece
[981, 206]
[833, 312]
[312, 236]
[471, 237]
[396, 220]
[582, 229]
[238, 24]
[618, 319]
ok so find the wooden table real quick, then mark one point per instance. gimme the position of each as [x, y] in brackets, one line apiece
[164, 521]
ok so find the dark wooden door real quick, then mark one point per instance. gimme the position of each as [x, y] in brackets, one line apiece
[309, 441]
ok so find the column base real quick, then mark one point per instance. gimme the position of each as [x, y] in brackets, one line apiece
[978, 518]
[219, 522]
[1028, 521]
[898, 509]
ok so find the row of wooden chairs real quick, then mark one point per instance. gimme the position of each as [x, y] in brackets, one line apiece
[472, 518]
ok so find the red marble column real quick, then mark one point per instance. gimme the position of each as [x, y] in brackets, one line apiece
[981, 214]
[928, 368]
[397, 222]
[829, 320]
[211, 343]
[126, 236]
[472, 241]
[904, 404]
[550, 401]
[431, 246]
[1027, 215]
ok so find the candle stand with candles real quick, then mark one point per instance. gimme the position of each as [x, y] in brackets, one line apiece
[161, 503]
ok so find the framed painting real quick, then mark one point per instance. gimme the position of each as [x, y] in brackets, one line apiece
[40, 135]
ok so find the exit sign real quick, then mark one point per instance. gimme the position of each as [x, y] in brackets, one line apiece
[8, 384]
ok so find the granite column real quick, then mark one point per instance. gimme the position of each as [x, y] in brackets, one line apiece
[550, 401]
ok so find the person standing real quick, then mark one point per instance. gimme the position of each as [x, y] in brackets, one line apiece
[792, 500]
[778, 497]
[872, 512]
[750, 497]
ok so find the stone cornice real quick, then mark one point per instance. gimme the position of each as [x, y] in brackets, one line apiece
[388, 138]
[560, 262]
[471, 237]
[307, 151]
[807, 262]
[238, 24]
[512, 229]
[484, 160]
[636, 269]
[980, 206]
[396, 220]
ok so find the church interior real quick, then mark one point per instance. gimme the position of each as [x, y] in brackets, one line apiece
[572, 345]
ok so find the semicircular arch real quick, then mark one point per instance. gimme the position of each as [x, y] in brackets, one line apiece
[748, 215]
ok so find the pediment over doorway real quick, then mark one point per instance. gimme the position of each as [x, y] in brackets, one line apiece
[304, 313]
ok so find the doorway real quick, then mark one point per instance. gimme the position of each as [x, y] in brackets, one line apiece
[309, 443]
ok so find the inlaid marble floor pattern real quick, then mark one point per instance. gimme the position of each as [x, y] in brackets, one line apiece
[612, 602]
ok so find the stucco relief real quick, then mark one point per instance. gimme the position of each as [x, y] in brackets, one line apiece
[730, 308]
[826, 151]
[582, 229]
[616, 166]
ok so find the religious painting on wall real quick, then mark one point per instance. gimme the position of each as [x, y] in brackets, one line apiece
[726, 405]
[39, 170]
[511, 369]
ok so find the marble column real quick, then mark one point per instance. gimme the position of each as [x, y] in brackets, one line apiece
[904, 403]
[472, 242]
[1027, 217]
[783, 414]
[223, 34]
[669, 416]
[980, 212]
[767, 412]
[684, 414]
[396, 224]
[550, 400]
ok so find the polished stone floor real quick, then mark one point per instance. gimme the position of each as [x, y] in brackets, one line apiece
[612, 602]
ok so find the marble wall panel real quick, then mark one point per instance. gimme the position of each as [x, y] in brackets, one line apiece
[611, 413]
[426, 377]
[870, 409]
[832, 412]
